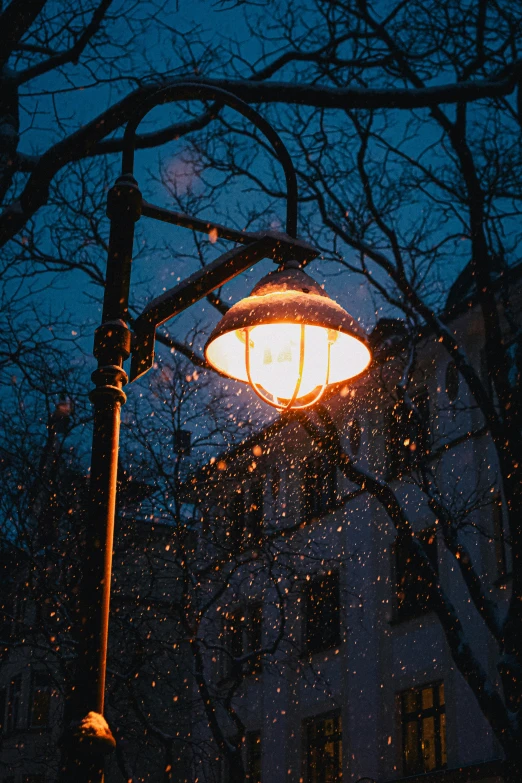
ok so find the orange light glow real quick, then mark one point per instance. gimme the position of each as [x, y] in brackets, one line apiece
[275, 357]
[289, 340]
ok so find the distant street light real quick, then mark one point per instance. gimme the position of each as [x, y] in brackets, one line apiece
[288, 339]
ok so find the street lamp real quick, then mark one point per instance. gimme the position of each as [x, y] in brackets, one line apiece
[318, 344]
[288, 340]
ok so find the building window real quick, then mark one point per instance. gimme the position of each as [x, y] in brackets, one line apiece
[40, 700]
[236, 518]
[254, 520]
[354, 436]
[253, 636]
[243, 633]
[253, 756]
[324, 748]
[408, 435]
[3, 706]
[275, 483]
[452, 381]
[319, 485]
[484, 371]
[412, 577]
[498, 537]
[322, 613]
[423, 715]
[245, 514]
[14, 698]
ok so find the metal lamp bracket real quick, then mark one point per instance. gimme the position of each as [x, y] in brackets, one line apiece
[258, 246]
[281, 247]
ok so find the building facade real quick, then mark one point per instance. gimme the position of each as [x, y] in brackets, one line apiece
[286, 618]
[363, 685]
[147, 702]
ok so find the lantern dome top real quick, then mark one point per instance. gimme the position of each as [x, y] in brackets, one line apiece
[287, 295]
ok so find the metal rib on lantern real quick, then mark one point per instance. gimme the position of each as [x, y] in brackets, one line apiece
[289, 340]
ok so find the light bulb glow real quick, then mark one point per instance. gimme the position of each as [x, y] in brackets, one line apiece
[288, 340]
[275, 359]
[348, 355]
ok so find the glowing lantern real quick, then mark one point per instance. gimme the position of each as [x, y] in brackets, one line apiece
[289, 340]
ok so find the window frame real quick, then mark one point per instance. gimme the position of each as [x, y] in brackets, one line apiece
[337, 734]
[14, 704]
[254, 754]
[47, 684]
[499, 537]
[236, 516]
[407, 442]
[255, 513]
[410, 609]
[438, 710]
[309, 646]
[248, 631]
[318, 485]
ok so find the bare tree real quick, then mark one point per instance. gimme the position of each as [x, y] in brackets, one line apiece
[405, 124]
[407, 201]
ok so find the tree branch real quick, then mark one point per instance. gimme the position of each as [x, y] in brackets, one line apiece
[70, 55]
[15, 21]
[85, 141]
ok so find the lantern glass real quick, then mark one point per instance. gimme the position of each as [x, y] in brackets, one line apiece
[275, 357]
[289, 340]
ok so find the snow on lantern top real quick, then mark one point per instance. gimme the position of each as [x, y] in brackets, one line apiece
[289, 340]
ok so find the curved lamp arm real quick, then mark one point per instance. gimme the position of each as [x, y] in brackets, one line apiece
[183, 91]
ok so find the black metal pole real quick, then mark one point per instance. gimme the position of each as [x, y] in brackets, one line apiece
[85, 748]
[87, 737]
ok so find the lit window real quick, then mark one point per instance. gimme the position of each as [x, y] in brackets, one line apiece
[423, 715]
[412, 577]
[253, 756]
[324, 748]
[323, 617]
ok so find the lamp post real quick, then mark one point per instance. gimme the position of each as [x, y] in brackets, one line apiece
[238, 348]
